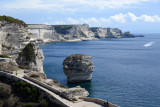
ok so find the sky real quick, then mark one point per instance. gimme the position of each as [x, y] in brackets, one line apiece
[136, 16]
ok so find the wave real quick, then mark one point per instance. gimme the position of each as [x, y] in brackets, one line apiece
[148, 44]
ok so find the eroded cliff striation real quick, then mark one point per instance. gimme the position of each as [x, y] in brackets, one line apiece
[14, 36]
[48, 33]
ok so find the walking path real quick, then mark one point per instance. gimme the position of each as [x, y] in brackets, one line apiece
[80, 103]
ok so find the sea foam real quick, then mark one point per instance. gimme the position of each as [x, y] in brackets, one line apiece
[148, 44]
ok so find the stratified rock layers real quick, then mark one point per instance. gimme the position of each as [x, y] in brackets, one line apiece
[48, 33]
[78, 68]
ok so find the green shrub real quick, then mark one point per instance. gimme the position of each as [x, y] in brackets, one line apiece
[26, 91]
[28, 53]
[4, 56]
[12, 20]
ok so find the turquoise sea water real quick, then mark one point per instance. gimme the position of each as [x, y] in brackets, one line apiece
[127, 70]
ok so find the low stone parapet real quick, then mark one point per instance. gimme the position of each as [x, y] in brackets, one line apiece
[99, 101]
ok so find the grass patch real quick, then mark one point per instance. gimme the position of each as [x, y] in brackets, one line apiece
[4, 56]
[13, 20]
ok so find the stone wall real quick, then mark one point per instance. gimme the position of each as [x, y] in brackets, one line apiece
[100, 101]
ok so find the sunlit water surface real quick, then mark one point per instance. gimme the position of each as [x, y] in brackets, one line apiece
[127, 70]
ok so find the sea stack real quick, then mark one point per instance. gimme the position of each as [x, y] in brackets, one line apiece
[78, 68]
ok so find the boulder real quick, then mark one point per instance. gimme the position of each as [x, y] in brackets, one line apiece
[78, 68]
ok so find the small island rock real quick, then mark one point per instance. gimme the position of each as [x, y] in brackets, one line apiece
[78, 68]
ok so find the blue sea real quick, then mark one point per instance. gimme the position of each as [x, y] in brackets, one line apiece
[127, 70]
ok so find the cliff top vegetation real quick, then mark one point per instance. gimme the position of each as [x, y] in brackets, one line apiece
[12, 20]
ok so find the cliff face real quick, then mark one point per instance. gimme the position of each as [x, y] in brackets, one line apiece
[31, 57]
[49, 33]
[75, 32]
[44, 32]
[13, 37]
[107, 32]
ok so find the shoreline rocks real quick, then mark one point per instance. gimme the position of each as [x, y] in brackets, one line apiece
[78, 68]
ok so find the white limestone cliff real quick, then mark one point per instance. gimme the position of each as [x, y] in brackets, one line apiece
[46, 33]
[78, 68]
[13, 37]
[49, 33]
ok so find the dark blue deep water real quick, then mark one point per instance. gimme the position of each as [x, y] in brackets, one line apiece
[126, 72]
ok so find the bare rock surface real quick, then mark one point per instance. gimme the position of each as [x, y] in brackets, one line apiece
[78, 68]
[13, 37]
[8, 67]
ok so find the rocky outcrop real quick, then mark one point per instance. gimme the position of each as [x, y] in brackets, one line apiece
[128, 35]
[31, 57]
[78, 68]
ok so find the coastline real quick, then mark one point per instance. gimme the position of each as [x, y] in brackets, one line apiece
[27, 55]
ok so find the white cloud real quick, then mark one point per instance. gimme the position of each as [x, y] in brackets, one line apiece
[73, 21]
[144, 18]
[105, 20]
[121, 18]
[132, 16]
[68, 5]
[116, 19]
